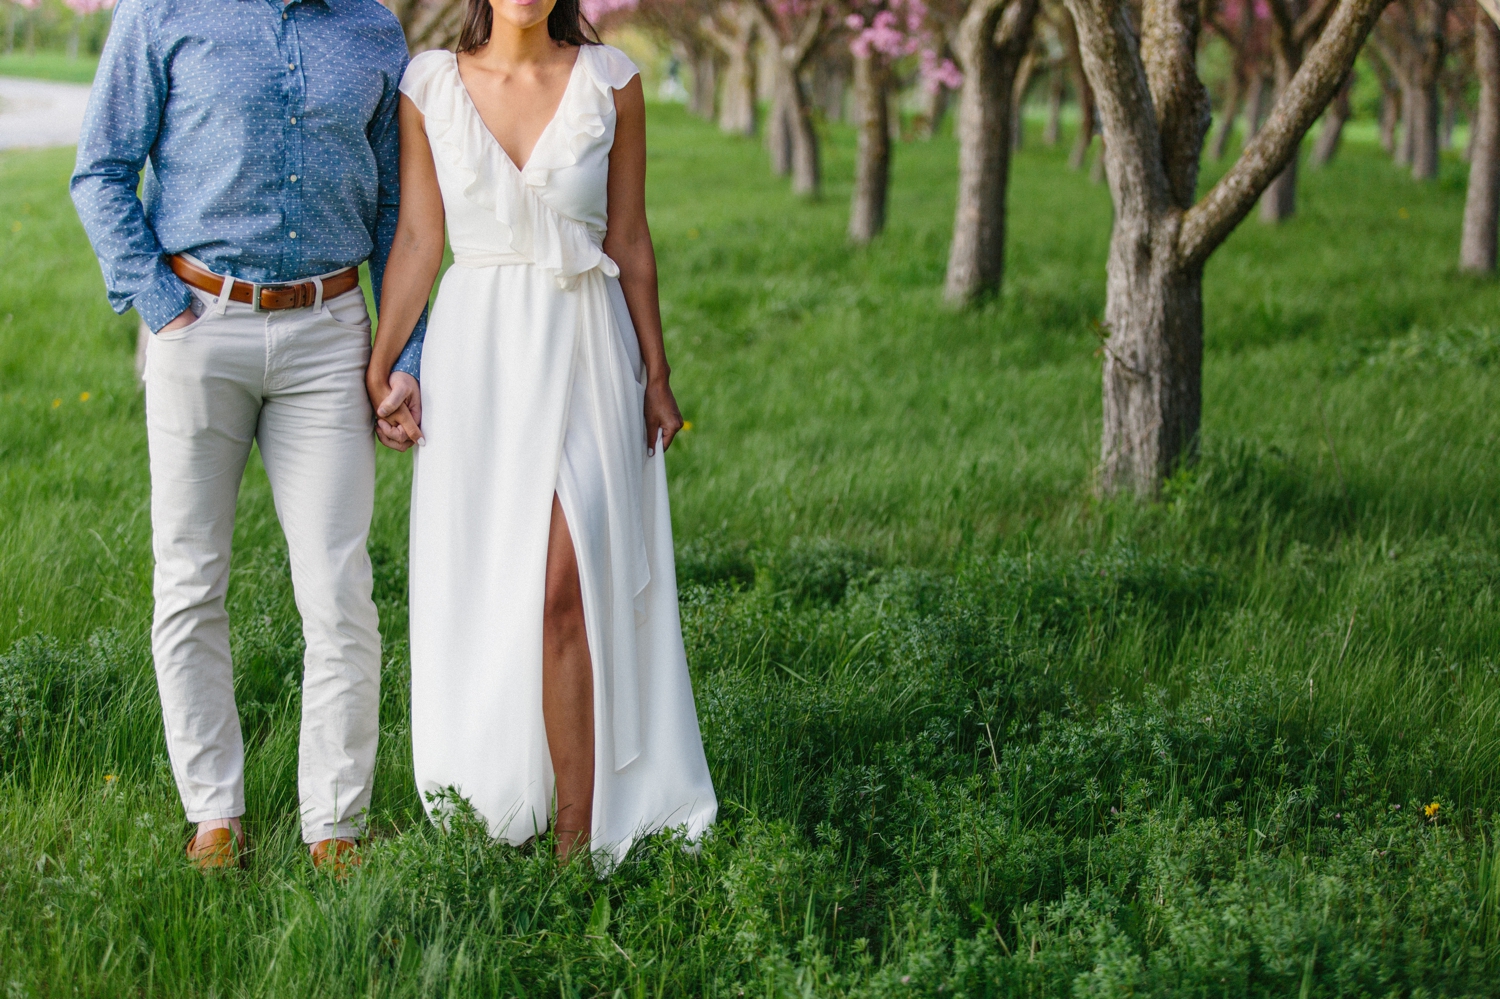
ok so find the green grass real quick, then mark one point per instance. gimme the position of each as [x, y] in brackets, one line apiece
[49, 66]
[975, 732]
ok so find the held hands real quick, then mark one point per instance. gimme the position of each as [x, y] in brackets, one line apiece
[662, 414]
[398, 408]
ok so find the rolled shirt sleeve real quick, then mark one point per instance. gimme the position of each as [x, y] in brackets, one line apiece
[120, 128]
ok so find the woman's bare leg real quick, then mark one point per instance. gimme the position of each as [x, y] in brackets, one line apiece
[567, 691]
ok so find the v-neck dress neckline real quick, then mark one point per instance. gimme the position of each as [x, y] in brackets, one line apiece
[520, 168]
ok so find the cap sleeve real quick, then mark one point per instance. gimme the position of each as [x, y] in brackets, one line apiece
[608, 67]
[424, 75]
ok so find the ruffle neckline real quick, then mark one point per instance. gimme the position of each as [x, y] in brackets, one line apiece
[530, 227]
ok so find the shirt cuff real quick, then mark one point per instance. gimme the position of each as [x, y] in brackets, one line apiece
[410, 361]
[162, 302]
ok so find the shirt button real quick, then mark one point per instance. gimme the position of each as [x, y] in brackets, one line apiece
[294, 178]
[293, 234]
[294, 121]
[291, 65]
[283, 15]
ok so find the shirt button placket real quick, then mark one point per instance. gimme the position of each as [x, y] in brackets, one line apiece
[292, 214]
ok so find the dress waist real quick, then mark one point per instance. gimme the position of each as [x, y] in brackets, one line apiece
[487, 258]
[567, 280]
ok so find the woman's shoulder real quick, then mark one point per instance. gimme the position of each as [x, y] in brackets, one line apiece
[607, 66]
[425, 71]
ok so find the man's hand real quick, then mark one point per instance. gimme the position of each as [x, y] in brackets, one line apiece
[184, 318]
[398, 409]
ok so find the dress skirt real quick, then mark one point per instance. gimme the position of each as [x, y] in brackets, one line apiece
[532, 385]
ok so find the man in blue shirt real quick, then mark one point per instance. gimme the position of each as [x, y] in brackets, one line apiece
[268, 136]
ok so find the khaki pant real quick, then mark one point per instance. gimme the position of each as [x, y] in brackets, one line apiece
[293, 383]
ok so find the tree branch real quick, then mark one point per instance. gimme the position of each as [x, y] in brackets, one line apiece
[1209, 222]
[1132, 139]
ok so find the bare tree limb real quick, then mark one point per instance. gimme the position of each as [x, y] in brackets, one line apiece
[1209, 223]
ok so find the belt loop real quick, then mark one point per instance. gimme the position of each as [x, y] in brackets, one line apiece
[223, 300]
[318, 297]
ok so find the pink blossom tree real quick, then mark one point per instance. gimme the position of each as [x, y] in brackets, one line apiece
[881, 33]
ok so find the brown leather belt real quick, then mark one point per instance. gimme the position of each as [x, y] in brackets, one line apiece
[265, 297]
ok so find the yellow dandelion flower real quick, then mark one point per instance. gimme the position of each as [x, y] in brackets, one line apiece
[56, 403]
[1431, 810]
[693, 234]
[15, 227]
[109, 778]
[687, 425]
[84, 397]
[1403, 213]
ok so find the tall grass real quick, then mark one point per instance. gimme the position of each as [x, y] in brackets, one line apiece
[975, 732]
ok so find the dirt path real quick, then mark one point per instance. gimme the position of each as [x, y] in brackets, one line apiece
[40, 113]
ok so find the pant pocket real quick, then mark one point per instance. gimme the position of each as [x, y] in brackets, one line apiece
[202, 305]
[348, 310]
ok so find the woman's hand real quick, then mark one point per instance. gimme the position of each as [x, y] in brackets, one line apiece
[398, 408]
[662, 414]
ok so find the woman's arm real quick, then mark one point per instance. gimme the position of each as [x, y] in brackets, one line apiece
[416, 255]
[628, 243]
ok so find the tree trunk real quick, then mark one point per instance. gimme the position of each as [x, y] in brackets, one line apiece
[1153, 358]
[1279, 202]
[830, 77]
[935, 105]
[10, 28]
[1056, 91]
[1231, 111]
[1255, 105]
[779, 133]
[736, 40]
[803, 151]
[1024, 73]
[1404, 141]
[704, 69]
[1087, 120]
[1482, 206]
[1390, 120]
[1334, 120]
[990, 44]
[1423, 128]
[872, 169]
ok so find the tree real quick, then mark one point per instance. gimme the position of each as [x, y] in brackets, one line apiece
[882, 32]
[1334, 120]
[1413, 42]
[792, 30]
[1244, 26]
[992, 39]
[732, 27]
[1295, 25]
[1154, 112]
[1477, 248]
[678, 21]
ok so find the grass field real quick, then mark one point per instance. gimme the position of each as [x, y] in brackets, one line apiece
[975, 732]
[49, 66]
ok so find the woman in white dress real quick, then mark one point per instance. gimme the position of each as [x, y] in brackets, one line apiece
[549, 682]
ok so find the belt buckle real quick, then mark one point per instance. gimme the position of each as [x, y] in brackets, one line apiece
[255, 305]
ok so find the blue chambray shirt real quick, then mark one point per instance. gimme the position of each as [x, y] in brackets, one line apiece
[269, 139]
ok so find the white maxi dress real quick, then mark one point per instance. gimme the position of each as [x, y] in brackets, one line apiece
[532, 383]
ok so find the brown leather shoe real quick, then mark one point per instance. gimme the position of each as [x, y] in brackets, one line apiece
[338, 856]
[215, 850]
